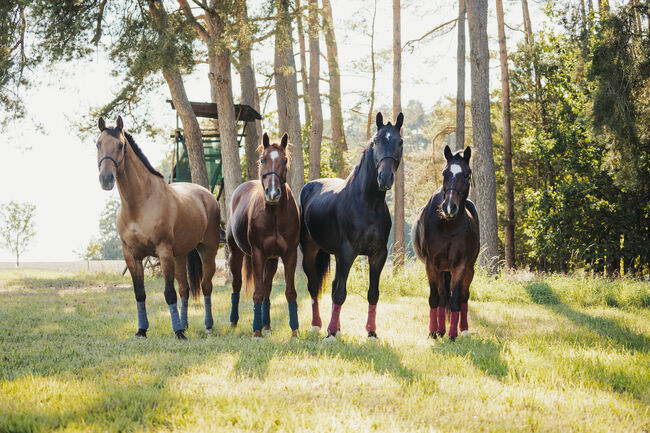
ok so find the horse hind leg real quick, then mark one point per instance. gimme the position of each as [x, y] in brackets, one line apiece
[207, 261]
[434, 300]
[376, 265]
[466, 282]
[289, 261]
[183, 288]
[344, 262]
[315, 263]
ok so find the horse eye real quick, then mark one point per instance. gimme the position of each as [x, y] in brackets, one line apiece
[262, 160]
[120, 146]
[401, 142]
[285, 161]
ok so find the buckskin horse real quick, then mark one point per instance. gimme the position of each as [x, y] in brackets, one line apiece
[263, 226]
[446, 238]
[177, 223]
[348, 218]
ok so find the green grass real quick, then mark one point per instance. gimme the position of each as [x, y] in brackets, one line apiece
[548, 353]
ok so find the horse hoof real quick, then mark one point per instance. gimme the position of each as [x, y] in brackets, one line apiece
[142, 333]
[294, 334]
[464, 333]
[452, 338]
[372, 336]
[268, 331]
[180, 334]
[257, 335]
[315, 329]
[208, 330]
[433, 335]
[233, 324]
[440, 334]
[331, 338]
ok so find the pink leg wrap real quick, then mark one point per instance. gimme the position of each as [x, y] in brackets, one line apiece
[315, 314]
[453, 324]
[463, 317]
[335, 321]
[441, 320]
[433, 321]
[372, 313]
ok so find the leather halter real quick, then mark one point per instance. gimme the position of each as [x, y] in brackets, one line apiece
[117, 164]
[268, 173]
[395, 160]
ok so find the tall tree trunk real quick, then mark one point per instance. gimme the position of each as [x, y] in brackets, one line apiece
[225, 105]
[286, 90]
[373, 72]
[316, 129]
[191, 129]
[398, 227]
[337, 161]
[303, 65]
[507, 142]
[460, 79]
[249, 93]
[482, 134]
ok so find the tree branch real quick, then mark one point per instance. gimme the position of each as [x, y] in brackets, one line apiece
[203, 33]
[441, 28]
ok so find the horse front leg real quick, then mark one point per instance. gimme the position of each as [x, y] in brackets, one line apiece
[289, 260]
[344, 260]
[137, 276]
[258, 262]
[376, 265]
[468, 276]
[183, 288]
[436, 308]
[455, 301]
[269, 272]
[235, 262]
[167, 267]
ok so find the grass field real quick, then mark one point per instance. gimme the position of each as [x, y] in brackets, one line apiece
[547, 353]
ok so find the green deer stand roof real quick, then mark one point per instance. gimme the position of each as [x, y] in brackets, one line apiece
[211, 143]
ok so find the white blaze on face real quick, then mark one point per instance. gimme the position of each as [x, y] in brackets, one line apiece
[455, 169]
[388, 136]
[274, 155]
[273, 178]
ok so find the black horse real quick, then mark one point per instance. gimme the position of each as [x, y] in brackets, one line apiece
[446, 238]
[348, 218]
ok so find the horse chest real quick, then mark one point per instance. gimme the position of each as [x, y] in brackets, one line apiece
[138, 239]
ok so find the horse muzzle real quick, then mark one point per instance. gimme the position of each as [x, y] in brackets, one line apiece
[385, 180]
[272, 195]
[449, 210]
[107, 181]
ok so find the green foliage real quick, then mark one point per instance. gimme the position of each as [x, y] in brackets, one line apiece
[13, 60]
[17, 227]
[92, 251]
[111, 245]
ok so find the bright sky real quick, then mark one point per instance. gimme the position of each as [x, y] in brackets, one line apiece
[55, 170]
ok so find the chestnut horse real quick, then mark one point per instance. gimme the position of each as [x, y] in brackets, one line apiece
[348, 218]
[446, 238]
[264, 225]
[177, 223]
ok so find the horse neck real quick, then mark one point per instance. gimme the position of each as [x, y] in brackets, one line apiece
[364, 180]
[134, 182]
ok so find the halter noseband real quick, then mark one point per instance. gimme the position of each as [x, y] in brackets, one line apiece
[268, 173]
[469, 179]
[117, 164]
[395, 160]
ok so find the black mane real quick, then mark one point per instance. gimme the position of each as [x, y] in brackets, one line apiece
[143, 158]
[365, 154]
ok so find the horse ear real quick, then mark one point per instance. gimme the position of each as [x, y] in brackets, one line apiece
[265, 140]
[467, 153]
[380, 120]
[101, 124]
[119, 123]
[399, 121]
[284, 141]
[448, 153]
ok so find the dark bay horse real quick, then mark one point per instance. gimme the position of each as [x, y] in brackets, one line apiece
[263, 226]
[348, 218]
[177, 223]
[446, 238]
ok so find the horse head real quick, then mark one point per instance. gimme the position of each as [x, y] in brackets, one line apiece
[274, 165]
[387, 150]
[111, 152]
[456, 181]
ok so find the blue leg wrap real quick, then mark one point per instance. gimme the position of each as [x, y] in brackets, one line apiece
[293, 315]
[257, 317]
[234, 308]
[143, 323]
[207, 302]
[176, 321]
[266, 312]
[184, 313]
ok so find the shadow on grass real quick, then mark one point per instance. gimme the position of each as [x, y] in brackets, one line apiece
[542, 294]
[484, 355]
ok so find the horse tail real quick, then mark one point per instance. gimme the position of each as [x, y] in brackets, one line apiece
[247, 276]
[447, 292]
[194, 272]
[322, 265]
